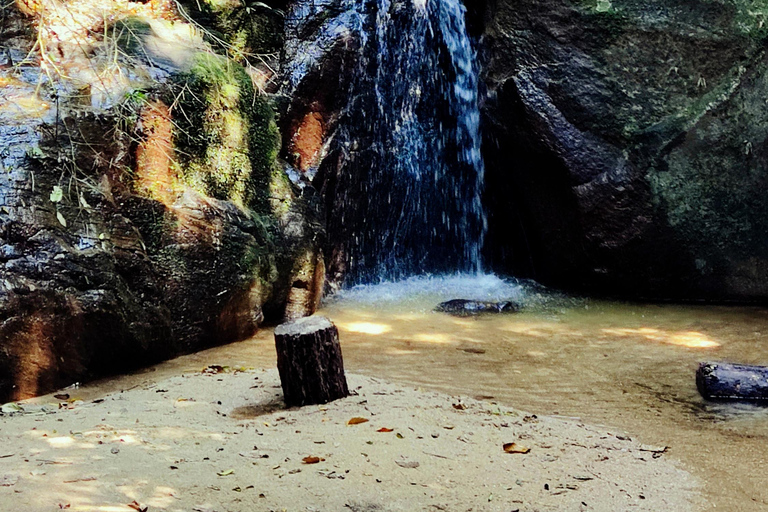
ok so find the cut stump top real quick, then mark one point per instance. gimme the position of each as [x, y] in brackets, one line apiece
[304, 325]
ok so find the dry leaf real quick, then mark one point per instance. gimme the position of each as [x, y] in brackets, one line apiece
[61, 396]
[135, 506]
[75, 480]
[312, 460]
[214, 369]
[459, 406]
[385, 429]
[357, 421]
[515, 448]
[471, 350]
[226, 472]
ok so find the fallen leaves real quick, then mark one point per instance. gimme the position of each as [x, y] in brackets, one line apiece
[226, 472]
[515, 448]
[61, 396]
[312, 460]
[357, 421]
[137, 507]
[385, 429]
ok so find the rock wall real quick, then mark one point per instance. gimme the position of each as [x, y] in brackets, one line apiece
[626, 145]
[143, 212]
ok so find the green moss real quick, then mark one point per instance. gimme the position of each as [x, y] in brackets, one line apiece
[751, 17]
[225, 135]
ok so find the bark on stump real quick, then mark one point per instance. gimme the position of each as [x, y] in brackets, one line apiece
[309, 361]
[732, 381]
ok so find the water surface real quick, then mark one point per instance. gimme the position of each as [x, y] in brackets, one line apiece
[629, 366]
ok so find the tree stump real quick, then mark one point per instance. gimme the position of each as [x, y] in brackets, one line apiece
[309, 361]
[732, 381]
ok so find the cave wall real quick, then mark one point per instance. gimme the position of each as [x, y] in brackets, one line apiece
[625, 145]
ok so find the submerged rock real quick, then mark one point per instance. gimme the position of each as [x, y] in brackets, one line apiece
[464, 307]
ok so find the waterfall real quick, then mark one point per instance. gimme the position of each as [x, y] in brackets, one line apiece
[405, 195]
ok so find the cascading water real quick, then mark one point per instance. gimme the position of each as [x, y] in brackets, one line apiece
[403, 192]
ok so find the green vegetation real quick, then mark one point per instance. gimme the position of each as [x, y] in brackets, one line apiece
[225, 135]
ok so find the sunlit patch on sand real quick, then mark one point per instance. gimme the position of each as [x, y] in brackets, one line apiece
[366, 328]
[689, 339]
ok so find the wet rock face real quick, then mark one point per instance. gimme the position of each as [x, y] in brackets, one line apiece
[134, 232]
[626, 145]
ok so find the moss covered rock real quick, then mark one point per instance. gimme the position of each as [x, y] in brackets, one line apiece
[225, 136]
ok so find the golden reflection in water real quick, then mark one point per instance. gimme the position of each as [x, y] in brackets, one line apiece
[689, 339]
[401, 352]
[365, 328]
[538, 329]
[438, 338]
[464, 323]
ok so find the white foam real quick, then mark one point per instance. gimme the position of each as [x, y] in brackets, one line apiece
[487, 287]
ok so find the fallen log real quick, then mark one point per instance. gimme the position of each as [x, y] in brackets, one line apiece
[732, 381]
[309, 361]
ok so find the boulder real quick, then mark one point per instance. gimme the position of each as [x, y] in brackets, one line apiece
[464, 307]
[626, 145]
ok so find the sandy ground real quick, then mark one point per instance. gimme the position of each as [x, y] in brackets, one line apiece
[223, 442]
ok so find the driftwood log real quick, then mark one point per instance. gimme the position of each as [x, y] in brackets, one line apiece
[732, 381]
[309, 361]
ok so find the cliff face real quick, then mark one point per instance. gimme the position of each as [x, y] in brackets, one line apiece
[143, 212]
[624, 142]
[626, 145]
